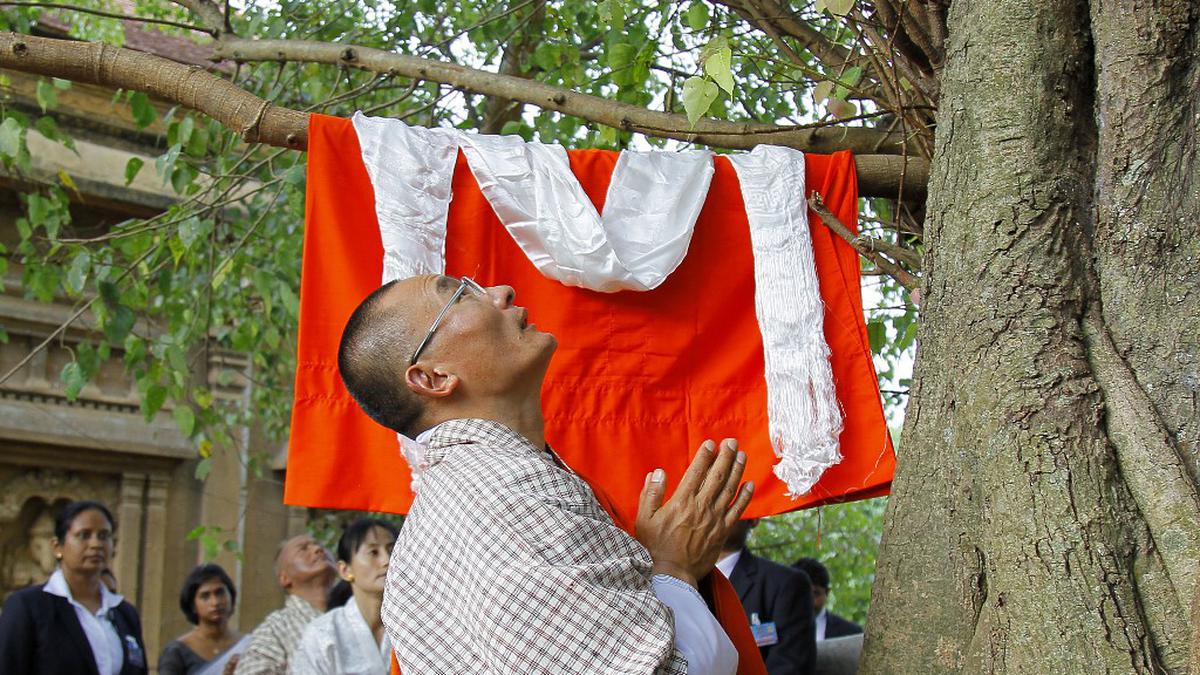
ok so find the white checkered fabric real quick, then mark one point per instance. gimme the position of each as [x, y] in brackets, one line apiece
[508, 564]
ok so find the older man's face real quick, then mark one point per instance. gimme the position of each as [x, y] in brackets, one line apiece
[485, 338]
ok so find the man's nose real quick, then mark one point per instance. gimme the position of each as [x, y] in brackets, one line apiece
[502, 296]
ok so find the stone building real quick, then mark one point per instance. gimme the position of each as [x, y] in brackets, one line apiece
[99, 447]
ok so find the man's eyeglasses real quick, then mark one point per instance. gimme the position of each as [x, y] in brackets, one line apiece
[465, 285]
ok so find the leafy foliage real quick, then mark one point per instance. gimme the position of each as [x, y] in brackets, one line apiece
[844, 537]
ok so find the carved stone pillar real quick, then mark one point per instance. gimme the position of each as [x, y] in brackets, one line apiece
[154, 593]
[129, 537]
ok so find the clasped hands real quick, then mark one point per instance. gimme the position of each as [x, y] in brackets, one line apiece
[684, 535]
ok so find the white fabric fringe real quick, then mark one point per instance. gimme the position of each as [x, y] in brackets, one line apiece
[650, 212]
[802, 406]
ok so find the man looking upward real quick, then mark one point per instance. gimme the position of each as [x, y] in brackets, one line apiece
[507, 563]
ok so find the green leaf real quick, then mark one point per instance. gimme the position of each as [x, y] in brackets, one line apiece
[620, 60]
[10, 137]
[842, 109]
[698, 96]
[203, 468]
[132, 167]
[144, 113]
[74, 377]
[185, 419]
[839, 7]
[847, 80]
[612, 12]
[119, 324]
[697, 16]
[192, 229]
[186, 125]
[717, 66]
[152, 400]
[877, 334]
[77, 273]
[47, 97]
[822, 91]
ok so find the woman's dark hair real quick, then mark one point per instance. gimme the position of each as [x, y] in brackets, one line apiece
[352, 538]
[62, 524]
[197, 578]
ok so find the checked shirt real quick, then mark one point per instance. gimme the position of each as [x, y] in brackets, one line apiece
[508, 564]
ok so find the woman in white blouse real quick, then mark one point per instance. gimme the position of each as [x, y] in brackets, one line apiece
[350, 637]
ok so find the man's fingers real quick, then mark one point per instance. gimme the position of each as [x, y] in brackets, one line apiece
[718, 473]
[739, 505]
[694, 478]
[735, 477]
[652, 494]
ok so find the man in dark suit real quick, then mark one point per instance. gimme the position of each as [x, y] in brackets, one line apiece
[778, 601]
[827, 624]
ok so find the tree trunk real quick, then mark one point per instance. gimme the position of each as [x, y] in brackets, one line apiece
[1044, 516]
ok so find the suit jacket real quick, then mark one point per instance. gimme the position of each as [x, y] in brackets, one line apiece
[39, 633]
[782, 595]
[836, 626]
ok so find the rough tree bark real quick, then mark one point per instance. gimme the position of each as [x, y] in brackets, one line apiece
[1044, 516]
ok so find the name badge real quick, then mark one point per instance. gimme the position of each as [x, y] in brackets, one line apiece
[765, 634]
[133, 653]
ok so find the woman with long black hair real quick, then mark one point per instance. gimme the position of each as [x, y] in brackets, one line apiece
[350, 638]
[73, 623]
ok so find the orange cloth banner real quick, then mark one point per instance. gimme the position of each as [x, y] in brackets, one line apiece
[640, 378]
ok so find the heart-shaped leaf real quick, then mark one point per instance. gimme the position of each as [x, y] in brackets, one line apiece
[698, 95]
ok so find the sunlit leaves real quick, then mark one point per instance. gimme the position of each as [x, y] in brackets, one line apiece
[835, 7]
[10, 137]
[698, 96]
[717, 66]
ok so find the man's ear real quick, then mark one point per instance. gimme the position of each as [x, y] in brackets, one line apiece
[430, 381]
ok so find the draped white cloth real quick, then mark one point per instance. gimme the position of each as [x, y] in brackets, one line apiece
[802, 407]
[653, 202]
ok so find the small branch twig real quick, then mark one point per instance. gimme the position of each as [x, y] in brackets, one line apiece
[831, 221]
[108, 15]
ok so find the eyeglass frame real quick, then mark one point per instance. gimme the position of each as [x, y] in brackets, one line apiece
[463, 285]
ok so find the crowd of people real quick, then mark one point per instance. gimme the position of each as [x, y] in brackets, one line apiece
[331, 621]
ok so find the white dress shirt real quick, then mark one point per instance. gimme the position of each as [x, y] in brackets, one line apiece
[98, 627]
[698, 634]
[727, 563]
[820, 622]
[340, 641]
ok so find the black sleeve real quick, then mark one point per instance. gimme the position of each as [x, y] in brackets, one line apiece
[18, 640]
[796, 652]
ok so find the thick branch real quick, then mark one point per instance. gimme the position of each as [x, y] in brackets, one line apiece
[190, 86]
[258, 120]
[870, 253]
[736, 135]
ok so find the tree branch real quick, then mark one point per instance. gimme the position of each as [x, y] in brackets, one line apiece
[831, 221]
[257, 120]
[108, 15]
[624, 116]
[208, 12]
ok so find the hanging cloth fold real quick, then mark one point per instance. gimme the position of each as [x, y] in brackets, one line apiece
[642, 236]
